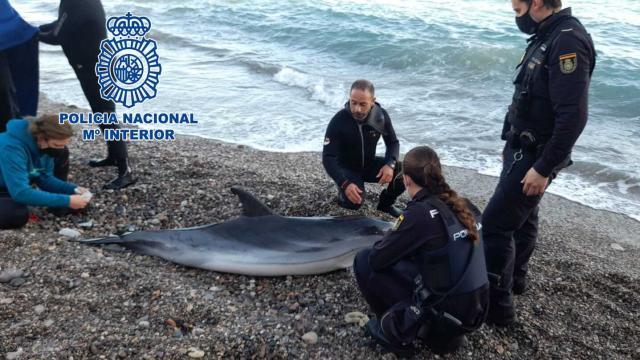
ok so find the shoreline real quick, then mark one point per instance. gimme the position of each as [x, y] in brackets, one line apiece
[88, 302]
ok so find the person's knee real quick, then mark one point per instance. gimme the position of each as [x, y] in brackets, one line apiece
[15, 219]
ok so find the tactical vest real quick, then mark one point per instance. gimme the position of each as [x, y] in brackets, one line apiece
[458, 267]
[531, 108]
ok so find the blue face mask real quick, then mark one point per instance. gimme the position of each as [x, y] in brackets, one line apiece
[526, 24]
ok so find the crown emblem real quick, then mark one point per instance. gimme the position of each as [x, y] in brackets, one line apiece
[128, 25]
[128, 68]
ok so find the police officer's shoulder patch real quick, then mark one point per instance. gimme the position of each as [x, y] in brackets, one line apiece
[568, 63]
[327, 141]
[398, 222]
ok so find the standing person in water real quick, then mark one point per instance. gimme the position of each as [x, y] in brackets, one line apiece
[28, 150]
[426, 279]
[349, 153]
[79, 29]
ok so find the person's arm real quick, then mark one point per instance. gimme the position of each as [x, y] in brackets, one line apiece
[330, 153]
[391, 141]
[50, 183]
[16, 179]
[401, 241]
[50, 33]
[569, 77]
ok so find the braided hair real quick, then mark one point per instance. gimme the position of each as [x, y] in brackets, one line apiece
[422, 165]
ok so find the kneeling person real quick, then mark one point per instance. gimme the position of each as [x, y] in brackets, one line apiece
[349, 153]
[426, 279]
[28, 151]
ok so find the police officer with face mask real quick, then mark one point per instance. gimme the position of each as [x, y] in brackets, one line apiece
[547, 115]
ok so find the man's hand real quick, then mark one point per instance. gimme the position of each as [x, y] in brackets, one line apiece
[534, 183]
[385, 175]
[353, 193]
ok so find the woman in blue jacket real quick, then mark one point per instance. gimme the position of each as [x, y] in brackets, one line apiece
[28, 149]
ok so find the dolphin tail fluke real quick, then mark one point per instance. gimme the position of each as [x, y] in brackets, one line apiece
[251, 206]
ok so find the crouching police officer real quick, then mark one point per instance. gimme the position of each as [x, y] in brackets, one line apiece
[547, 114]
[427, 277]
[349, 153]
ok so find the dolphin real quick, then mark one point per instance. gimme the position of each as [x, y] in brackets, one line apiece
[260, 242]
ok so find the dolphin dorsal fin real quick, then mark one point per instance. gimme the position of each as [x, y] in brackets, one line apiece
[251, 206]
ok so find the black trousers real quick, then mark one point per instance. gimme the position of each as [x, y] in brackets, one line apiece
[510, 226]
[383, 289]
[8, 105]
[117, 150]
[12, 214]
[368, 175]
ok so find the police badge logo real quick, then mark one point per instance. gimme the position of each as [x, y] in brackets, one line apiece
[128, 67]
[568, 63]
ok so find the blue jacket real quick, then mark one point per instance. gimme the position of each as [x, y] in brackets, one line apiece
[22, 164]
[13, 29]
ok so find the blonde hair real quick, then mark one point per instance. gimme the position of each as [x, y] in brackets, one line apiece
[48, 127]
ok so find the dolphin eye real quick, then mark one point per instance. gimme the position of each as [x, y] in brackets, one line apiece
[371, 230]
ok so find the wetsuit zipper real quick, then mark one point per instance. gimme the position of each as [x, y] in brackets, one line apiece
[362, 144]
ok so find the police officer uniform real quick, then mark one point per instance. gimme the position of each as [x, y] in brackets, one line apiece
[425, 262]
[80, 28]
[545, 118]
[349, 154]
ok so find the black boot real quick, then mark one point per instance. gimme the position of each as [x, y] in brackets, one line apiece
[104, 162]
[519, 285]
[374, 330]
[502, 311]
[125, 177]
[386, 204]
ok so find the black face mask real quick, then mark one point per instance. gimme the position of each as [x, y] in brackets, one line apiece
[53, 152]
[526, 24]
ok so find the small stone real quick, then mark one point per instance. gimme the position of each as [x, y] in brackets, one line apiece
[17, 282]
[70, 233]
[86, 224]
[84, 275]
[6, 301]
[39, 309]
[14, 355]
[514, 347]
[195, 353]
[48, 323]
[144, 324]
[617, 247]
[356, 317]
[294, 307]
[310, 338]
[184, 203]
[154, 221]
[10, 274]
[500, 349]
[197, 331]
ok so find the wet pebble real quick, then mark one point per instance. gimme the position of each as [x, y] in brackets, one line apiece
[70, 233]
[310, 338]
[10, 274]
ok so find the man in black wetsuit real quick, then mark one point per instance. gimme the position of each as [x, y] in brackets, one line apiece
[79, 29]
[545, 118]
[349, 153]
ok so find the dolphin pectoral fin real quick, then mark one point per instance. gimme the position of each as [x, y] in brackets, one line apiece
[251, 206]
[113, 239]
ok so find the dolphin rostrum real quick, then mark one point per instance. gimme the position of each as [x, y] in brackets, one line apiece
[260, 243]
